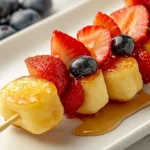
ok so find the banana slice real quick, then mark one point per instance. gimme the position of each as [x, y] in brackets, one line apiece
[124, 80]
[95, 94]
[35, 100]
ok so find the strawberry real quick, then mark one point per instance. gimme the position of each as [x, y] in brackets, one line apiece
[133, 21]
[130, 2]
[72, 98]
[98, 40]
[146, 43]
[109, 64]
[146, 3]
[143, 58]
[104, 20]
[50, 68]
[66, 47]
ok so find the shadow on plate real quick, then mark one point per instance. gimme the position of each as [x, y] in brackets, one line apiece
[61, 135]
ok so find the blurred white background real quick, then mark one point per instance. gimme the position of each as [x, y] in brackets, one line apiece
[63, 4]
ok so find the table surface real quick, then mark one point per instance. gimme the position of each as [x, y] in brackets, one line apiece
[59, 5]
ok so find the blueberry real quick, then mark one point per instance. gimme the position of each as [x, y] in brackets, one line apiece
[5, 21]
[14, 5]
[4, 8]
[41, 6]
[6, 31]
[123, 45]
[7, 7]
[23, 18]
[83, 66]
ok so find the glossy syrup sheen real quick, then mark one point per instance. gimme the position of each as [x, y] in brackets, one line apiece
[111, 116]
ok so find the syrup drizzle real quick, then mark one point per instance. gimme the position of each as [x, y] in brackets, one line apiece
[111, 116]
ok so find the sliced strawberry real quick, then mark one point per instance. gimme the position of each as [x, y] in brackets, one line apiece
[130, 2]
[104, 20]
[143, 58]
[73, 98]
[50, 68]
[98, 40]
[146, 3]
[67, 47]
[146, 43]
[133, 21]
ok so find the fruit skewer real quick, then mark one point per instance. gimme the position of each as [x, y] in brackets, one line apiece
[37, 103]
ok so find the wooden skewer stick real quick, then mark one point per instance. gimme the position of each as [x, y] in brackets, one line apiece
[9, 122]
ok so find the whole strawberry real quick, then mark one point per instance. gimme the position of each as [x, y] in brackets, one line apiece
[72, 98]
[143, 58]
[50, 68]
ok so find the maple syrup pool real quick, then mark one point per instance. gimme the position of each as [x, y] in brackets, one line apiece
[111, 116]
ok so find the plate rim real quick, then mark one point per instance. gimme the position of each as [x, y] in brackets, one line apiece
[43, 21]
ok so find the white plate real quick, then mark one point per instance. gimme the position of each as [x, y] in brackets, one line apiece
[35, 40]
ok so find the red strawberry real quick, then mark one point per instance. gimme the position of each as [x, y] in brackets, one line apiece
[109, 64]
[104, 20]
[72, 98]
[98, 40]
[143, 58]
[50, 68]
[66, 47]
[146, 43]
[130, 2]
[133, 21]
[146, 3]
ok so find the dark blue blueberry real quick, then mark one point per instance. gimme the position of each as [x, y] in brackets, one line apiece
[4, 8]
[14, 5]
[83, 66]
[7, 7]
[6, 31]
[41, 6]
[5, 21]
[23, 18]
[123, 45]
